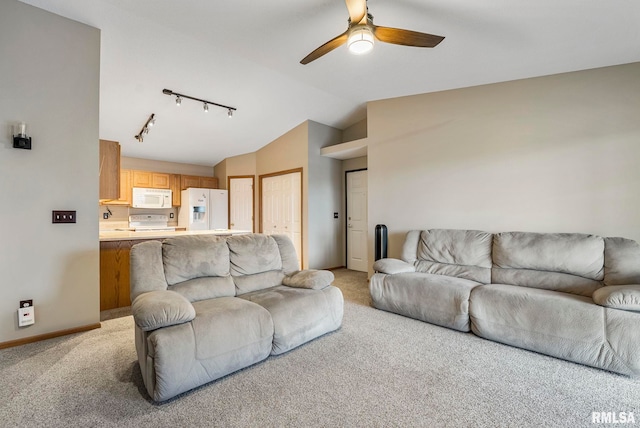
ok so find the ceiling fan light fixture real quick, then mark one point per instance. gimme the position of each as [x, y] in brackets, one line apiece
[360, 40]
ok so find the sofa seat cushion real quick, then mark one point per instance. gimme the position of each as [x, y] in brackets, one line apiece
[436, 299]
[299, 314]
[559, 324]
[625, 297]
[226, 335]
[208, 287]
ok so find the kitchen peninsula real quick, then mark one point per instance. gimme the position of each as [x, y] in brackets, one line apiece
[115, 248]
[124, 235]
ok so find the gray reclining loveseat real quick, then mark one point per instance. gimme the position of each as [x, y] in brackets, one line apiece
[568, 295]
[207, 306]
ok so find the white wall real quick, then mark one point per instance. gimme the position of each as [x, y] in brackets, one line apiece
[49, 79]
[551, 154]
[326, 237]
[164, 166]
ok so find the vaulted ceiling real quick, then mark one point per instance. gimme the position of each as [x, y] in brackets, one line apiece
[246, 54]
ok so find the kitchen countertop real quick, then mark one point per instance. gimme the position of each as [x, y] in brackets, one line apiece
[128, 235]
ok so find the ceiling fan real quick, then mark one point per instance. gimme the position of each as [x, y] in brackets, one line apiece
[361, 34]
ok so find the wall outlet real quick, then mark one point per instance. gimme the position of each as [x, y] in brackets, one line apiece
[26, 316]
[335, 215]
[105, 216]
[171, 215]
[25, 303]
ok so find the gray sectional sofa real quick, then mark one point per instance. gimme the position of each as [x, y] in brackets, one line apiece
[571, 296]
[207, 306]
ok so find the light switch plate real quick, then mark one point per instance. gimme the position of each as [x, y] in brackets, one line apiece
[63, 217]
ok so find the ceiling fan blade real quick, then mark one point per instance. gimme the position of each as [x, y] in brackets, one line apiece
[399, 36]
[326, 48]
[357, 10]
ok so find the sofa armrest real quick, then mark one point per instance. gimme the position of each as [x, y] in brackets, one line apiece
[161, 308]
[309, 278]
[625, 297]
[391, 266]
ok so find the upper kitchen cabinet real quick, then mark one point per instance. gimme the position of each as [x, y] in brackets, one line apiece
[209, 182]
[199, 181]
[109, 169]
[154, 180]
[126, 195]
[125, 190]
[175, 181]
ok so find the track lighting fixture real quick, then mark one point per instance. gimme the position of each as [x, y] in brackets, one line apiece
[205, 103]
[145, 129]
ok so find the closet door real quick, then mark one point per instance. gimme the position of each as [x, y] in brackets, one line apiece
[241, 203]
[282, 207]
[357, 257]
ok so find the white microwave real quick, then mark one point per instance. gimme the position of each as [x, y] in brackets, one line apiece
[151, 198]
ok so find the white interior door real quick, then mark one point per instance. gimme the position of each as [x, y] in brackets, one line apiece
[241, 203]
[282, 208]
[357, 258]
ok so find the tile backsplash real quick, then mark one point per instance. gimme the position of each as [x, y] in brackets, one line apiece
[119, 217]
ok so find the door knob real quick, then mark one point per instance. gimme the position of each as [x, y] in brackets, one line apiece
[350, 226]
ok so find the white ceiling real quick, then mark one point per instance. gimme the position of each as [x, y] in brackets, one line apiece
[246, 54]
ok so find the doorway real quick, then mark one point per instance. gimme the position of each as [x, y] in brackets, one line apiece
[241, 196]
[356, 193]
[281, 206]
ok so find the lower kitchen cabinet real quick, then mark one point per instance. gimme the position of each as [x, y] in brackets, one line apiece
[114, 273]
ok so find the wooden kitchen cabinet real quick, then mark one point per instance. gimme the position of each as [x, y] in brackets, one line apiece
[175, 184]
[199, 181]
[189, 181]
[109, 169]
[149, 179]
[114, 273]
[126, 194]
[209, 182]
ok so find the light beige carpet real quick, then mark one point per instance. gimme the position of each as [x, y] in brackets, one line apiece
[379, 370]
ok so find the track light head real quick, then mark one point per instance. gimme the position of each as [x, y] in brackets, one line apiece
[178, 100]
[145, 128]
[206, 108]
[230, 113]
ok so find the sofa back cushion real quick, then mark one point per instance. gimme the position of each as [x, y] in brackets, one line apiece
[568, 262]
[255, 262]
[621, 261]
[459, 253]
[197, 266]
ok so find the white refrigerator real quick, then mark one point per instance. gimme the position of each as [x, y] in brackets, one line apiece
[204, 209]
